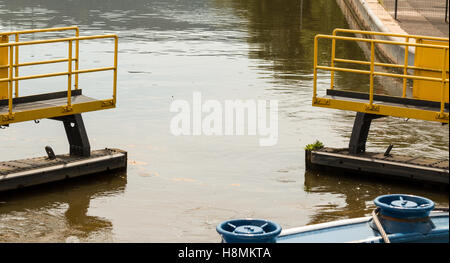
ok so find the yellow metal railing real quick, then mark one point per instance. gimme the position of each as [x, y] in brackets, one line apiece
[14, 65]
[371, 107]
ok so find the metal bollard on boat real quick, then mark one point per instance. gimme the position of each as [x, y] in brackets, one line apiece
[401, 213]
[248, 231]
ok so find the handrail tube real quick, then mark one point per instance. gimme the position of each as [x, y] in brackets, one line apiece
[372, 70]
[30, 31]
[341, 69]
[77, 54]
[35, 42]
[81, 71]
[57, 74]
[316, 42]
[39, 62]
[333, 56]
[444, 63]
[405, 69]
[409, 76]
[10, 82]
[116, 54]
[16, 67]
[369, 40]
[380, 73]
[384, 64]
[69, 76]
[387, 34]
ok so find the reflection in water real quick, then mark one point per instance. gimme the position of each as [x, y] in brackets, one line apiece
[108, 15]
[53, 212]
[282, 33]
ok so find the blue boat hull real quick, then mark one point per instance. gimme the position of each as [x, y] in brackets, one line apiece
[359, 230]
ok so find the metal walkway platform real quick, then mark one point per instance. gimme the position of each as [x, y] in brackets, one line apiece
[34, 171]
[407, 103]
[427, 78]
[16, 108]
[38, 106]
[65, 106]
[419, 169]
[43, 101]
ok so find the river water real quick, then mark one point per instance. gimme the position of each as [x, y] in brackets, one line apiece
[178, 188]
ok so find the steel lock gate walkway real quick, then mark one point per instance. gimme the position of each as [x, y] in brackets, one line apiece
[65, 106]
[430, 88]
[427, 101]
[18, 108]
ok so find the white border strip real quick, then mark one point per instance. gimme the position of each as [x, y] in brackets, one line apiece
[302, 229]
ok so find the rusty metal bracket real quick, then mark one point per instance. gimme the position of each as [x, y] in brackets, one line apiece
[442, 116]
[372, 107]
[7, 117]
[108, 103]
[321, 101]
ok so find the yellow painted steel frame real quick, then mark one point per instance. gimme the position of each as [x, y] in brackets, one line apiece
[430, 58]
[50, 112]
[3, 70]
[370, 106]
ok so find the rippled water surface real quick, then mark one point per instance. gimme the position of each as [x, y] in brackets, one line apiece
[178, 188]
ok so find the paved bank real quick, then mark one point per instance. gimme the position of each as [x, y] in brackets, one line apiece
[370, 15]
[419, 17]
[414, 17]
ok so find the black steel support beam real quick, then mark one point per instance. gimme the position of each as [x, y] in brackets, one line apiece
[360, 132]
[41, 97]
[76, 134]
[389, 99]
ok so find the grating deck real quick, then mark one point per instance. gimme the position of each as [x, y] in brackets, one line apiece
[37, 105]
[33, 171]
[432, 170]
[49, 105]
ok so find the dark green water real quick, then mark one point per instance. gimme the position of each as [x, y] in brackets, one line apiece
[177, 189]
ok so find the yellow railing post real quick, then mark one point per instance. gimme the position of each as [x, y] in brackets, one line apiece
[315, 69]
[16, 67]
[116, 51]
[69, 77]
[444, 74]
[372, 69]
[333, 56]
[77, 55]
[405, 68]
[4, 67]
[10, 81]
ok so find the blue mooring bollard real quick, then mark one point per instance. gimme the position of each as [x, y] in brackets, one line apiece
[248, 231]
[401, 213]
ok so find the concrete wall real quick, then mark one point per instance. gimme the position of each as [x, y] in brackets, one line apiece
[369, 15]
